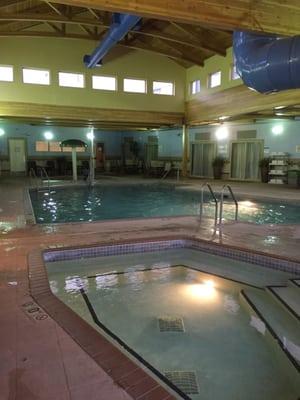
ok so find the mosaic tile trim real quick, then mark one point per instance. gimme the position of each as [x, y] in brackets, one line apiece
[245, 256]
[112, 250]
[158, 245]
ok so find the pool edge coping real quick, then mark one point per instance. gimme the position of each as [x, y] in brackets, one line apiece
[85, 335]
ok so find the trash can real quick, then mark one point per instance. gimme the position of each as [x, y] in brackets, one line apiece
[294, 178]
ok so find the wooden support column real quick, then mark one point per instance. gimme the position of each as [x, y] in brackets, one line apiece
[185, 150]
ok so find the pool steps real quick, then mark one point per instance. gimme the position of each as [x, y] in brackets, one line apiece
[294, 283]
[279, 322]
[288, 297]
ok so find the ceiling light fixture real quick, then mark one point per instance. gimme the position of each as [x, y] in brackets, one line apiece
[48, 135]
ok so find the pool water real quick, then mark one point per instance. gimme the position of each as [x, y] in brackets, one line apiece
[104, 202]
[219, 343]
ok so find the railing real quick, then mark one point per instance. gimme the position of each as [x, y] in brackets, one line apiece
[214, 199]
[222, 202]
[33, 178]
[42, 175]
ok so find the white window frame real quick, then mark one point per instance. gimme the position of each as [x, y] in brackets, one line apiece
[134, 79]
[12, 70]
[105, 76]
[210, 78]
[164, 94]
[36, 69]
[71, 73]
[191, 86]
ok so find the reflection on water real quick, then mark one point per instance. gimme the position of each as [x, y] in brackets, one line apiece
[230, 304]
[138, 201]
[74, 283]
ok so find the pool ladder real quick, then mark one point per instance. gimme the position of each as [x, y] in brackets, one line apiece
[216, 203]
[222, 202]
[214, 199]
[44, 177]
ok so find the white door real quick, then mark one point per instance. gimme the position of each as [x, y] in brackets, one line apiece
[17, 155]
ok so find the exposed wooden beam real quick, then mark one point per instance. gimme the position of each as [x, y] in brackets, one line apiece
[142, 46]
[139, 44]
[88, 114]
[225, 14]
[211, 106]
[89, 32]
[84, 22]
[37, 17]
[55, 28]
[206, 44]
[94, 14]
[53, 34]
[155, 33]
[53, 7]
[10, 3]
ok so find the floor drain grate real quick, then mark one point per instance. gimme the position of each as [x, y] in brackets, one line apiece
[170, 324]
[184, 380]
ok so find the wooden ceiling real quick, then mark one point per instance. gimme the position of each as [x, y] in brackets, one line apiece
[186, 44]
[242, 105]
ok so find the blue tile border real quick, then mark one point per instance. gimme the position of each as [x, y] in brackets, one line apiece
[147, 245]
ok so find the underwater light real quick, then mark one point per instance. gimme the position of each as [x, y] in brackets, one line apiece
[205, 290]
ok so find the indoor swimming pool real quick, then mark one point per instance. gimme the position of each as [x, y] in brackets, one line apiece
[106, 202]
[182, 314]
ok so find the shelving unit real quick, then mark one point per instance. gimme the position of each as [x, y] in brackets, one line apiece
[278, 168]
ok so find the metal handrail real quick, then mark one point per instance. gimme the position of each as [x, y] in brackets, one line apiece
[222, 201]
[214, 199]
[32, 175]
[45, 175]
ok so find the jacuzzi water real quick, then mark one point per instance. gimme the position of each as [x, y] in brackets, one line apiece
[104, 202]
[221, 345]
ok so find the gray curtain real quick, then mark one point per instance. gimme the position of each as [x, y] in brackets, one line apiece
[202, 155]
[245, 160]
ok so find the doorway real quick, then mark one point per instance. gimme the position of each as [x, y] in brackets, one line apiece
[17, 155]
[245, 157]
[202, 156]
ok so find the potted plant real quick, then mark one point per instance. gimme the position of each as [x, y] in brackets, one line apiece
[264, 169]
[218, 165]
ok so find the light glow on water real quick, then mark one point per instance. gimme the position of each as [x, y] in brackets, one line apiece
[132, 201]
[204, 291]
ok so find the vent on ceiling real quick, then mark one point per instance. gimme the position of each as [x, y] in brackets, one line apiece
[184, 380]
[170, 324]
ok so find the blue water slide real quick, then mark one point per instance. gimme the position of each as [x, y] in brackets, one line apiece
[122, 24]
[267, 63]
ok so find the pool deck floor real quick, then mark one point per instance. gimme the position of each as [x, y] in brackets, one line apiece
[38, 359]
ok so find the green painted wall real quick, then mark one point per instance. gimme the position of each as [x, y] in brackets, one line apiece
[213, 64]
[66, 55]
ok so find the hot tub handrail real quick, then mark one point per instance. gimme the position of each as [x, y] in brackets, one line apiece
[44, 175]
[228, 187]
[214, 199]
[33, 177]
